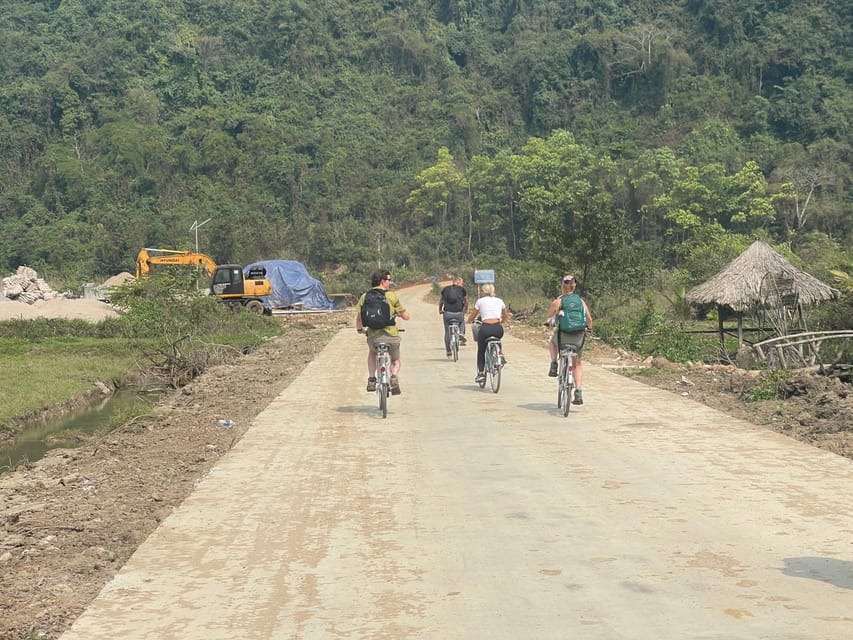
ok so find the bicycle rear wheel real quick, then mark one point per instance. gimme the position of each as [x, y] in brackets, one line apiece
[382, 390]
[494, 367]
[568, 386]
[454, 345]
[561, 384]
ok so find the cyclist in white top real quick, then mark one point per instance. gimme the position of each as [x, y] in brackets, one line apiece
[493, 313]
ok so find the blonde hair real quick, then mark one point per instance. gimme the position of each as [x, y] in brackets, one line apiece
[488, 289]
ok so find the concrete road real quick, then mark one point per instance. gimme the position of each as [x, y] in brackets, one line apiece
[465, 514]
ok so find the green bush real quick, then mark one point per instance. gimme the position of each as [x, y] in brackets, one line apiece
[651, 333]
[181, 332]
[521, 284]
[768, 386]
[673, 344]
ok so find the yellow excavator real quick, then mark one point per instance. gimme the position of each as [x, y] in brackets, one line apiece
[227, 281]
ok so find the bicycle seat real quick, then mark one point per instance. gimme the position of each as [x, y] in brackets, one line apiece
[492, 339]
[568, 348]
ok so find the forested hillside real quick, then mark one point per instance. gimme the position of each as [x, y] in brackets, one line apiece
[612, 137]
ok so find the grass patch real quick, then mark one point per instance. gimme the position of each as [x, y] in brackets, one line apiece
[170, 333]
[49, 372]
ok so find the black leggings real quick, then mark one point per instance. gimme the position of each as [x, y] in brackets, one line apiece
[485, 332]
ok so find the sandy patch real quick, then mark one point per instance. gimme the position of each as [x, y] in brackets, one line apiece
[74, 308]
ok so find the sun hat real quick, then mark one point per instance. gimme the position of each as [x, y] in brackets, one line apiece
[567, 279]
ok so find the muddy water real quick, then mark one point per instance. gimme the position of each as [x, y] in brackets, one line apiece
[72, 429]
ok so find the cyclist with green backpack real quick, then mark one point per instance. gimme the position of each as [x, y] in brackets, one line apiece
[571, 319]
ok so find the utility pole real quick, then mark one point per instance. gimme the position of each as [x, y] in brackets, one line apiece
[379, 249]
[195, 227]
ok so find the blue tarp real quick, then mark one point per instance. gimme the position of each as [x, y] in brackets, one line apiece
[292, 285]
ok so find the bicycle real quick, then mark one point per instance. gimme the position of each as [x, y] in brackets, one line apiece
[566, 377]
[383, 376]
[454, 339]
[494, 363]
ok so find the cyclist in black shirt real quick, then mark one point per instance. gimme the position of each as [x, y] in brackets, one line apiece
[452, 305]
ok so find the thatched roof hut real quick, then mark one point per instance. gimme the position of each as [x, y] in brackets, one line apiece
[760, 278]
[742, 284]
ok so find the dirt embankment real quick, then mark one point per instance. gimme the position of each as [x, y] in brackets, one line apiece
[24, 296]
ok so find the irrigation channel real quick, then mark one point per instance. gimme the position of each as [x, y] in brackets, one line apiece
[68, 430]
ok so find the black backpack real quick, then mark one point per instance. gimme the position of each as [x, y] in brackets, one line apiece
[375, 311]
[453, 298]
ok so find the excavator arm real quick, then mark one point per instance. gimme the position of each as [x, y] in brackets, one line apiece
[147, 257]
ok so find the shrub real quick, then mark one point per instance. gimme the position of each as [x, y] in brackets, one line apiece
[672, 343]
[181, 332]
[651, 333]
[768, 386]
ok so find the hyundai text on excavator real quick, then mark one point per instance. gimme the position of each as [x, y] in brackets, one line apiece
[227, 281]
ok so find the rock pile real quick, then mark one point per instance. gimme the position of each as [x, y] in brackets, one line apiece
[26, 286]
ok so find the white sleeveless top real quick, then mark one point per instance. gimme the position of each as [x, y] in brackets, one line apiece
[490, 307]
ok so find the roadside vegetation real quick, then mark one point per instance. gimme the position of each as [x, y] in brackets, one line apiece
[652, 320]
[169, 335]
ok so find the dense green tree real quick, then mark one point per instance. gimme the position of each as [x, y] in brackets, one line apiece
[651, 176]
[572, 200]
[302, 129]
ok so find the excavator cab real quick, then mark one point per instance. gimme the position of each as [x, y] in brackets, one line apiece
[227, 278]
[229, 284]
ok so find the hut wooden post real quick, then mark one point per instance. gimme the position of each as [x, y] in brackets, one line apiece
[740, 329]
[720, 327]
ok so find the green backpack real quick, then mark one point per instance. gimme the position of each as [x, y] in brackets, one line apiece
[572, 313]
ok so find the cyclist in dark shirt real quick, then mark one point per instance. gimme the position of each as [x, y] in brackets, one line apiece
[452, 305]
